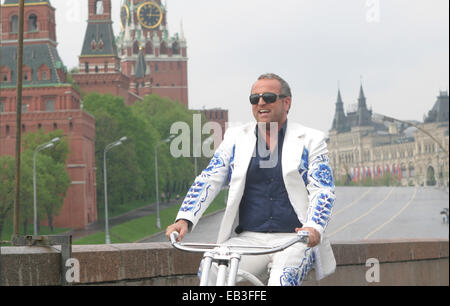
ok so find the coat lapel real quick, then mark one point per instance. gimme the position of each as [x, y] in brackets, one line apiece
[292, 149]
[245, 145]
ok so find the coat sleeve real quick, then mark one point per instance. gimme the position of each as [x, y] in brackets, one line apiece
[208, 184]
[319, 183]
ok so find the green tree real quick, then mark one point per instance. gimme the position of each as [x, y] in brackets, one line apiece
[131, 167]
[52, 178]
[7, 187]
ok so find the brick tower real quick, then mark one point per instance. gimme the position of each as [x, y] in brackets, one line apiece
[154, 61]
[99, 63]
[49, 102]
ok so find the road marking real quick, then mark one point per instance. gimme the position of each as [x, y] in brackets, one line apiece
[394, 216]
[363, 215]
[352, 203]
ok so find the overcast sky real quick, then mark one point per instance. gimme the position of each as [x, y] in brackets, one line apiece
[399, 48]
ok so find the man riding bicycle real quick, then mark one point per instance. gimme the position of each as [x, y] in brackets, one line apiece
[280, 182]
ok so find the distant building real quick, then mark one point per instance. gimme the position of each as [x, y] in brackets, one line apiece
[49, 102]
[361, 148]
[217, 115]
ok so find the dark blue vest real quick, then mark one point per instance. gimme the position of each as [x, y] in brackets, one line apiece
[265, 206]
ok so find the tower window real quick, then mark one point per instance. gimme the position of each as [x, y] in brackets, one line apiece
[86, 67]
[99, 7]
[32, 23]
[2, 107]
[14, 24]
[50, 106]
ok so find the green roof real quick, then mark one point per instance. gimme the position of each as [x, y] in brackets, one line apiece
[34, 56]
[26, 1]
[99, 32]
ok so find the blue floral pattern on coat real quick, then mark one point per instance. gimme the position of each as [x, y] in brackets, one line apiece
[231, 167]
[322, 211]
[294, 276]
[318, 174]
[192, 199]
[304, 166]
[323, 175]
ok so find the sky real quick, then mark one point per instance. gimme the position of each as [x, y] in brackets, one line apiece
[398, 50]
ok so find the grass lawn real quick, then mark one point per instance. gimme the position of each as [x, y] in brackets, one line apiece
[140, 228]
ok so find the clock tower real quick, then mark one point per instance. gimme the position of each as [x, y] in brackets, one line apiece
[154, 60]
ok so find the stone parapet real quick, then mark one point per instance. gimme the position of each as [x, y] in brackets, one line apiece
[401, 262]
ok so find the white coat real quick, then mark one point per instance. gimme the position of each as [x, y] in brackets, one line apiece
[306, 174]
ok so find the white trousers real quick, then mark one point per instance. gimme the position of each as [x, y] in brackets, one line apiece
[286, 268]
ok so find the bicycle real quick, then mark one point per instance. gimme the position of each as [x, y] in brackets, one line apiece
[230, 255]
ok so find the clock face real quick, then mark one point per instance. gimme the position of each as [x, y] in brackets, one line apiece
[149, 15]
[124, 16]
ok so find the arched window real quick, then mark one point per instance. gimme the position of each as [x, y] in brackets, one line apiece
[32, 23]
[14, 24]
[148, 48]
[99, 7]
[176, 48]
[163, 48]
[135, 47]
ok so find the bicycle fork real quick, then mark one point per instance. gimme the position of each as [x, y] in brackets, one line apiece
[223, 258]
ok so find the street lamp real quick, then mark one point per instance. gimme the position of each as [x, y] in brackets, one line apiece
[158, 221]
[107, 148]
[381, 118]
[38, 149]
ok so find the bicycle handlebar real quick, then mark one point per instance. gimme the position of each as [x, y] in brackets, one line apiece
[302, 236]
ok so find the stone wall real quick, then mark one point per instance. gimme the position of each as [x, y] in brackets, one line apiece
[401, 262]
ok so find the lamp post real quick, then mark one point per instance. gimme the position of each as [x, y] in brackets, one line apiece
[158, 221]
[38, 149]
[382, 118]
[107, 148]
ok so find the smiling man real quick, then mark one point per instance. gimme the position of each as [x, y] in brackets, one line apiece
[280, 182]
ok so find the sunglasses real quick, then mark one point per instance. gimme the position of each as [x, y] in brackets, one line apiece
[268, 97]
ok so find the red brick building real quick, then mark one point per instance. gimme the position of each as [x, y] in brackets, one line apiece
[49, 102]
[142, 60]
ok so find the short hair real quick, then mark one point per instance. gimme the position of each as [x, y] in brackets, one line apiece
[285, 89]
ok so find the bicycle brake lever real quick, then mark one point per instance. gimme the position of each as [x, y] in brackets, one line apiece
[174, 236]
[303, 236]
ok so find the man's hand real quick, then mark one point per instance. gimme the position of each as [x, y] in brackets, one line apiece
[181, 226]
[314, 235]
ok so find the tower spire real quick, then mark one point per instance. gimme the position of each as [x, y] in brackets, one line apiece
[339, 121]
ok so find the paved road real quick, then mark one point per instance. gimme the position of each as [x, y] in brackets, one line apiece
[365, 213]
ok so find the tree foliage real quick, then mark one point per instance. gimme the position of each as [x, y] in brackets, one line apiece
[52, 179]
[131, 166]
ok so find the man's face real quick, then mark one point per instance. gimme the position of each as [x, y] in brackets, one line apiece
[273, 112]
